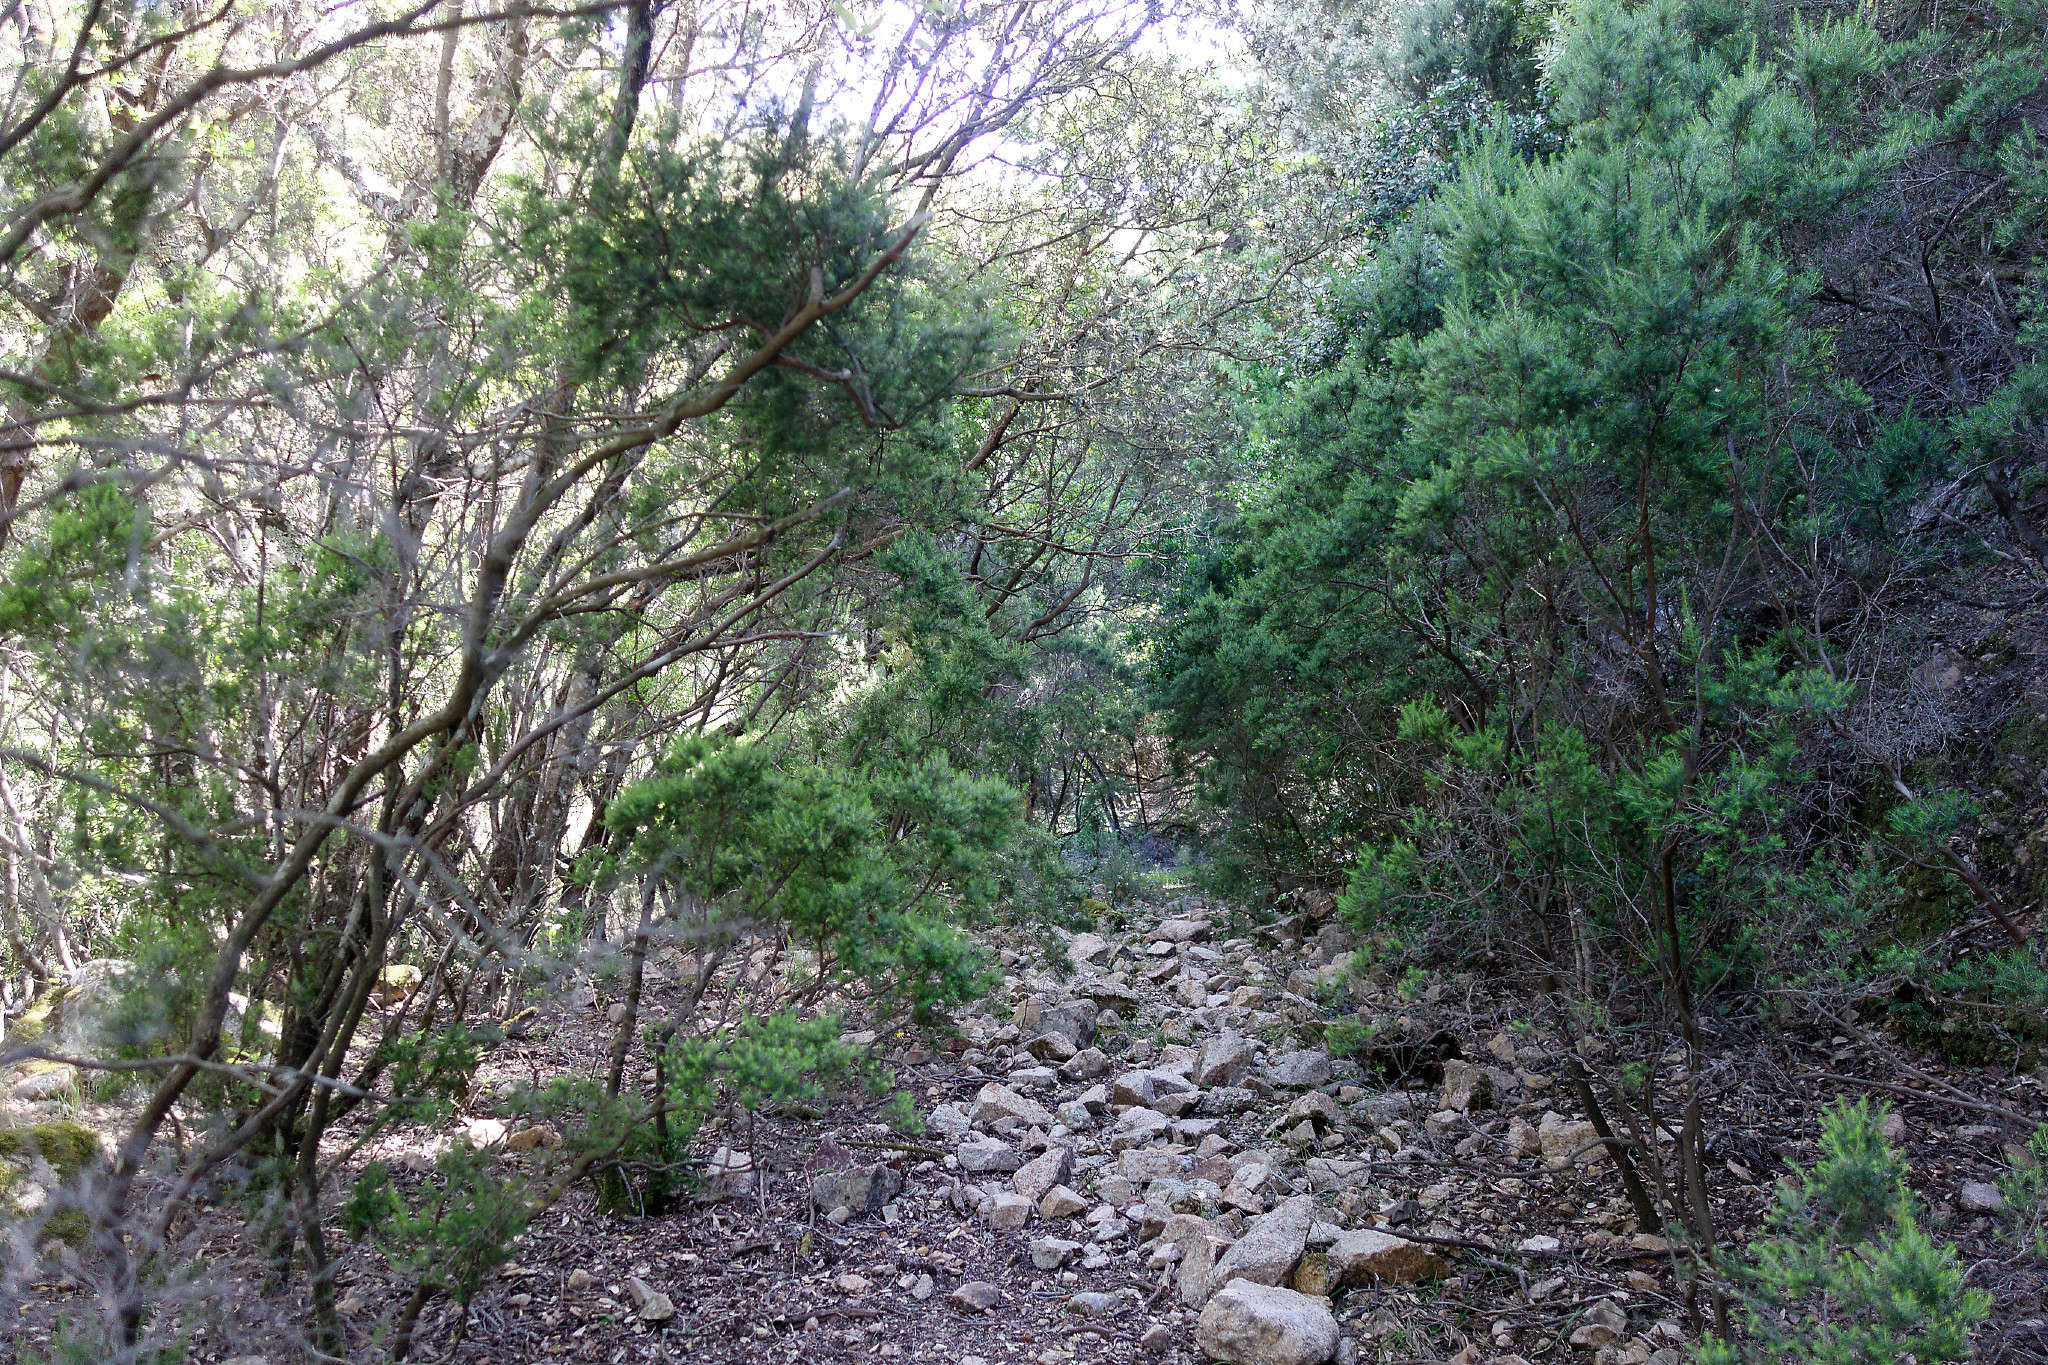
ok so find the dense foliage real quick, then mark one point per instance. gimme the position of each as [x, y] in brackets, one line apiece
[493, 499]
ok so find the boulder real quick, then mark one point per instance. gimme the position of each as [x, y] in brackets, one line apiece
[1256, 1324]
[1304, 1070]
[1143, 1088]
[1061, 1202]
[1182, 930]
[1564, 1141]
[1269, 1247]
[1009, 1210]
[996, 1101]
[984, 1155]
[1979, 1197]
[1224, 1060]
[863, 1190]
[1466, 1087]
[1035, 1177]
[1368, 1256]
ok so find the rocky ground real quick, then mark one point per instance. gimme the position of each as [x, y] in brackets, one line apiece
[1140, 1150]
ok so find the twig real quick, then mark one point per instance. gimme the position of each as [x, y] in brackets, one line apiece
[1927, 1096]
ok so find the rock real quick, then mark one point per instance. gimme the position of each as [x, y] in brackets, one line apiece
[1564, 1140]
[1073, 1019]
[853, 1284]
[1979, 1197]
[1269, 1247]
[1314, 1108]
[1224, 1060]
[1086, 1065]
[533, 1136]
[1182, 930]
[728, 1175]
[1110, 995]
[1503, 1049]
[1061, 1202]
[1036, 1177]
[976, 1296]
[1226, 1100]
[580, 1280]
[1087, 947]
[995, 1102]
[1139, 1128]
[921, 1288]
[1255, 1324]
[861, 1191]
[1143, 1088]
[650, 1305]
[1466, 1087]
[1312, 1276]
[1522, 1138]
[1368, 1256]
[50, 1082]
[1099, 1305]
[1050, 1253]
[1303, 1070]
[982, 1155]
[1009, 1210]
[1052, 1047]
[1540, 1244]
[1603, 1325]
[1893, 1128]
[1157, 1338]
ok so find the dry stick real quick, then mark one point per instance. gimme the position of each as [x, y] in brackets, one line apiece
[1929, 1097]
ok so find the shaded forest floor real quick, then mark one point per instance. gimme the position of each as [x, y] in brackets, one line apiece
[1536, 1256]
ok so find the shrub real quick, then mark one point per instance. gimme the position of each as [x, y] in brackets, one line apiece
[1844, 1275]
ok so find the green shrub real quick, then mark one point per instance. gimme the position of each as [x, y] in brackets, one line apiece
[2025, 1188]
[1844, 1275]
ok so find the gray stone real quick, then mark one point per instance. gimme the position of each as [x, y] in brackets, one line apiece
[1979, 1197]
[1009, 1210]
[1224, 1060]
[1564, 1141]
[1182, 930]
[1368, 1256]
[976, 1296]
[1256, 1324]
[863, 1190]
[1269, 1247]
[982, 1155]
[1041, 1173]
[1304, 1070]
[1061, 1202]
[1143, 1088]
[1050, 1253]
[995, 1102]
